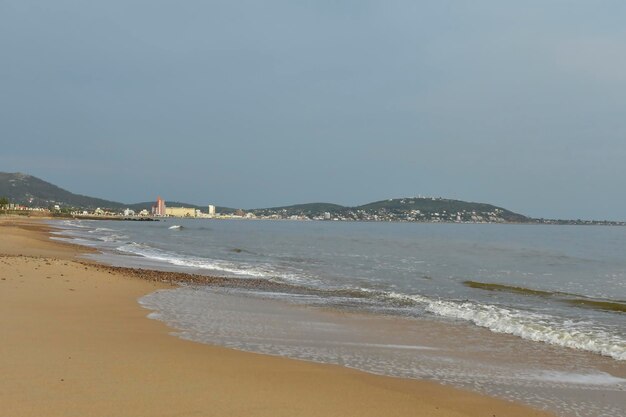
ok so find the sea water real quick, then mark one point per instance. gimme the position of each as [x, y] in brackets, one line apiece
[530, 313]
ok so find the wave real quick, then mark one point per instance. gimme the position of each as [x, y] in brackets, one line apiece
[597, 378]
[564, 297]
[531, 326]
[74, 224]
[101, 229]
[219, 266]
[499, 319]
[113, 238]
[527, 325]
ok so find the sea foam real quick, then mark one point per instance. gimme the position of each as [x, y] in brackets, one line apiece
[527, 325]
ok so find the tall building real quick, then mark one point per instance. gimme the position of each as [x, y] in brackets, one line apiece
[211, 210]
[159, 209]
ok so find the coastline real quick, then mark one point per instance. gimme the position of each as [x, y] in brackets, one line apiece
[78, 343]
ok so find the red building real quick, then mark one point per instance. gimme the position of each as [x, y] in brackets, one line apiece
[159, 209]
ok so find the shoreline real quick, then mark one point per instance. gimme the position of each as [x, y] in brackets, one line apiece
[79, 343]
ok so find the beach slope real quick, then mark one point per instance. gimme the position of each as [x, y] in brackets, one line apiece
[74, 342]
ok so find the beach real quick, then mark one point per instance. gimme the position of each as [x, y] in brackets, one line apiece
[76, 342]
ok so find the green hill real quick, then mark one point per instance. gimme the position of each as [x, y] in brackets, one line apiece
[32, 191]
[308, 209]
[414, 208]
[439, 205]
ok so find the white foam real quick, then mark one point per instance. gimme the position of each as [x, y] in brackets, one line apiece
[238, 269]
[599, 378]
[527, 325]
[113, 238]
[101, 229]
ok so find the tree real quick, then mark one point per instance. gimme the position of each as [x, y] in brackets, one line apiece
[4, 202]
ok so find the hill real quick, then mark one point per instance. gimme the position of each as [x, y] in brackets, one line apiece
[309, 209]
[440, 205]
[32, 191]
[400, 209]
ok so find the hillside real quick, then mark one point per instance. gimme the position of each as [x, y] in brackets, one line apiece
[400, 209]
[309, 209]
[32, 191]
[440, 205]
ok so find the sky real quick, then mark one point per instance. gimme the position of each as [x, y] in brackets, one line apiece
[266, 103]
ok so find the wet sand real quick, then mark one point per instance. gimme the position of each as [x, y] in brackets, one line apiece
[75, 342]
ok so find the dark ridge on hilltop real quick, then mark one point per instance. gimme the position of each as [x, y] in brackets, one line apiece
[32, 191]
[306, 209]
[398, 208]
[426, 204]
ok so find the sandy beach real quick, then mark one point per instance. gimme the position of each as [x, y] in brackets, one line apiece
[75, 342]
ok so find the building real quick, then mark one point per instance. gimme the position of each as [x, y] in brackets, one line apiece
[180, 212]
[129, 212]
[211, 210]
[159, 209]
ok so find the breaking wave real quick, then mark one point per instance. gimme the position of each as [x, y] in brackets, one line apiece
[527, 325]
[238, 269]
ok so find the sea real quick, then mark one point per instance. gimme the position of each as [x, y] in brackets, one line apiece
[529, 313]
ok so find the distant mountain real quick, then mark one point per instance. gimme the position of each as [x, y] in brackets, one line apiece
[308, 209]
[413, 208]
[32, 191]
[434, 205]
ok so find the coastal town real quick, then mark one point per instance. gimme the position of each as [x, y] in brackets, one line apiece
[391, 210]
[24, 194]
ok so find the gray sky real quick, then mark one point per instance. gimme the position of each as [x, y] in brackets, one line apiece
[265, 103]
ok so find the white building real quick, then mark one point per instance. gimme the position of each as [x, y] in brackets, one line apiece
[211, 210]
[129, 212]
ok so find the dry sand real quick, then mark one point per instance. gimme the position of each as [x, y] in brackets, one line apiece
[74, 342]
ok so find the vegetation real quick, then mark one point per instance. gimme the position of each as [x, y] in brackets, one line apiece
[409, 209]
[310, 209]
[32, 191]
